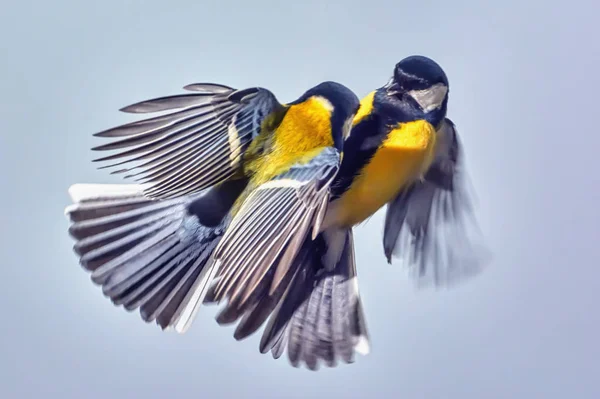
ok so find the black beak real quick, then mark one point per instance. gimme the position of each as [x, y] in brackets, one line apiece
[392, 87]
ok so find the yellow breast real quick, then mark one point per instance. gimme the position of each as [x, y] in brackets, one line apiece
[402, 158]
[303, 132]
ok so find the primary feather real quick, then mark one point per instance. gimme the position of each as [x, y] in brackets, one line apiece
[429, 225]
[320, 319]
[266, 233]
[200, 142]
[146, 254]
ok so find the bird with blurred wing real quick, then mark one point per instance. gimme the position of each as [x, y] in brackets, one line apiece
[250, 203]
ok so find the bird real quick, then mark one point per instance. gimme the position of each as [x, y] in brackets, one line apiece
[403, 154]
[399, 151]
[219, 156]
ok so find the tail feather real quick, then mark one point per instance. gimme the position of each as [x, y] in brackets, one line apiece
[146, 254]
[253, 320]
[279, 344]
[321, 316]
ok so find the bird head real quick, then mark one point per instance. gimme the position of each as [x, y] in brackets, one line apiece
[421, 86]
[341, 103]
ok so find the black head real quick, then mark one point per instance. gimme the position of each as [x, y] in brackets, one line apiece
[344, 105]
[422, 84]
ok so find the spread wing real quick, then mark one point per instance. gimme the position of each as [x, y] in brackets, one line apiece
[147, 255]
[198, 143]
[430, 225]
[264, 237]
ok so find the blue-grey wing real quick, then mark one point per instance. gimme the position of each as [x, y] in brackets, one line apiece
[266, 233]
[147, 255]
[197, 143]
[319, 318]
[430, 225]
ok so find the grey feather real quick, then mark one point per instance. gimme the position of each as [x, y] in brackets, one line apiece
[265, 235]
[208, 87]
[146, 254]
[320, 319]
[167, 103]
[197, 144]
[430, 225]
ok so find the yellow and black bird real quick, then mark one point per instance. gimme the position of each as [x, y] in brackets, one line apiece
[272, 235]
[404, 153]
[269, 166]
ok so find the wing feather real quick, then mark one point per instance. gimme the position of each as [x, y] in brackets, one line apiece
[320, 317]
[145, 254]
[198, 143]
[429, 225]
[265, 235]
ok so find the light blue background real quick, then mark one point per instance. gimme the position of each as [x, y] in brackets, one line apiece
[524, 94]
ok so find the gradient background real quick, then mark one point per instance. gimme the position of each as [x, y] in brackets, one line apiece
[524, 94]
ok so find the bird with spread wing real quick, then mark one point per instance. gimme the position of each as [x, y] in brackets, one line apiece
[232, 182]
[250, 203]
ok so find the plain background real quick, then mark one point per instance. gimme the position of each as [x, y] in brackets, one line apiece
[524, 93]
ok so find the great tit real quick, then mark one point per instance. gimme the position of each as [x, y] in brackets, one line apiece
[404, 153]
[289, 252]
[149, 246]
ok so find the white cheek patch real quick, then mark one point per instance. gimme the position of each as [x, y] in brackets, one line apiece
[234, 144]
[430, 99]
[347, 128]
[325, 103]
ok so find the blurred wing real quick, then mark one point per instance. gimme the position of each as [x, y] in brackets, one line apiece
[429, 225]
[266, 234]
[198, 143]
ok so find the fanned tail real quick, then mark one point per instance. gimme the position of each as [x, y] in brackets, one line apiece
[320, 317]
[145, 254]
